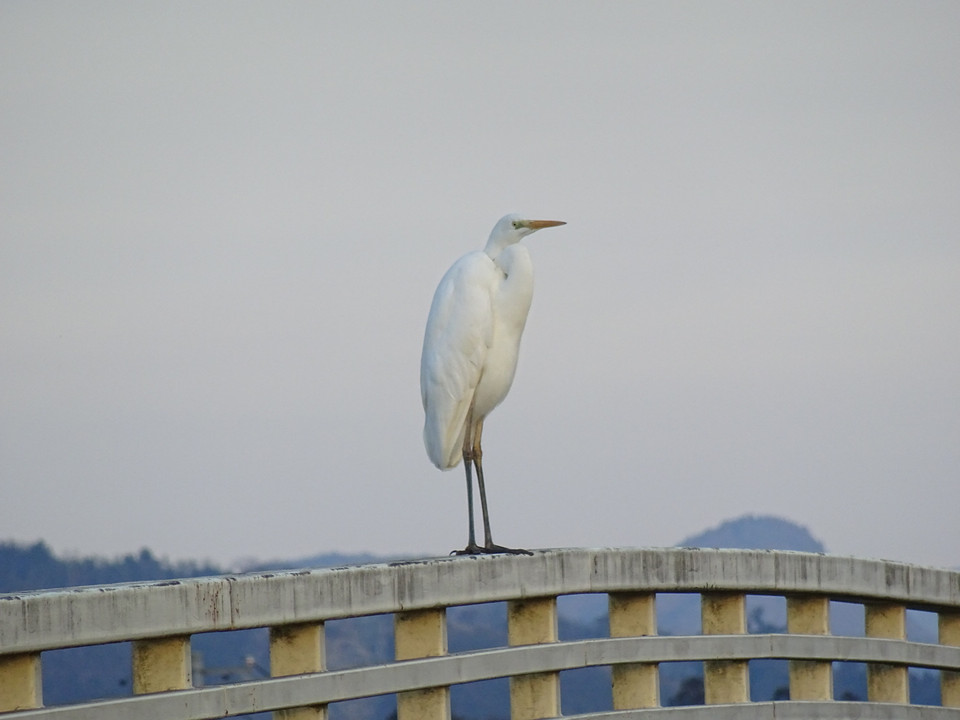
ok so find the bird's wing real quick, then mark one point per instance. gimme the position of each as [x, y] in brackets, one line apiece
[459, 332]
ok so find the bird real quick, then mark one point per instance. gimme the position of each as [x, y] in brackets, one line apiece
[470, 351]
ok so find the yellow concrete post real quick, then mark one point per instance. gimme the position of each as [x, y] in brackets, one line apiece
[162, 664]
[725, 681]
[531, 622]
[20, 686]
[419, 634]
[635, 685]
[295, 650]
[886, 683]
[950, 680]
[809, 679]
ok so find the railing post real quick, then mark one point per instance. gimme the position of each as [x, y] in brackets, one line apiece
[295, 650]
[162, 664]
[419, 634]
[949, 623]
[20, 685]
[886, 683]
[809, 679]
[725, 681]
[531, 622]
[635, 685]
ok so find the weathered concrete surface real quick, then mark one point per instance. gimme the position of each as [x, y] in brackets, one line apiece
[277, 693]
[46, 620]
[809, 680]
[634, 685]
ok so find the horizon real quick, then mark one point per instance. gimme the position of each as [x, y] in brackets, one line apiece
[254, 563]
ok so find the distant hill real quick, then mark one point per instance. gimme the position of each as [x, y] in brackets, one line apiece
[756, 532]
[35, 567]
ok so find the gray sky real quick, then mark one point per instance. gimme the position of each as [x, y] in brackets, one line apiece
[221, 226]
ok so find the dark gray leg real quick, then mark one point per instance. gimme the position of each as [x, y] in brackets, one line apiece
[488, 544]
[472, 548]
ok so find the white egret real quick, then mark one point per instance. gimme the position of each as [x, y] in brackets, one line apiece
[470, 352]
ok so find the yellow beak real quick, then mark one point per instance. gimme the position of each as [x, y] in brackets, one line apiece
[540, 224]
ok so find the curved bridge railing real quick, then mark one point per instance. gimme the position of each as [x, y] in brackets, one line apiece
[161, 618]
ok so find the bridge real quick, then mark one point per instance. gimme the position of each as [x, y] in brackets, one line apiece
[160, 620]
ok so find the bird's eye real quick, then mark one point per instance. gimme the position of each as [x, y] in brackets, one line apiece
[516, 224]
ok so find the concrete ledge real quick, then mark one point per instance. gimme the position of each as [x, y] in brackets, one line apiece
[279, 693]
[31, 622]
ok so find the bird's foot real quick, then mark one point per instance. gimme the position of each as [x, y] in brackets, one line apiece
[470, 549]
[490, 549]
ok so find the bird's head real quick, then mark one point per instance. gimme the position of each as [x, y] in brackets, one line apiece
[512, 228]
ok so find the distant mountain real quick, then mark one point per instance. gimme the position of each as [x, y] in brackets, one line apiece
[756, 532]
[35, 567]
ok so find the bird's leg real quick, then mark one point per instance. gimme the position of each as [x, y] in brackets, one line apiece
[477, 460]
[472, 548]
[488, 544]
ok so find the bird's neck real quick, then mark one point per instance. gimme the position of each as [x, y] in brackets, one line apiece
[498, 243]
[516, 290]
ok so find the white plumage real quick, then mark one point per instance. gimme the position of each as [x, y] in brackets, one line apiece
[470, 350]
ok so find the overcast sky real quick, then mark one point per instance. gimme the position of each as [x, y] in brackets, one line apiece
[221, 225]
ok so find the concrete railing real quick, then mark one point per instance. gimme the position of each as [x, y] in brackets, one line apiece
[160, 618]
